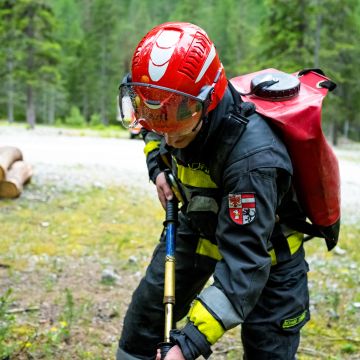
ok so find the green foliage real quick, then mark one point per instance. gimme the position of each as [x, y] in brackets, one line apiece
[95, 120]
[30, 51]
[63, 53]
[284, 36]
[75, 118]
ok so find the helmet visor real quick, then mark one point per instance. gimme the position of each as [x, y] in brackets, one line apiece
[159, 109]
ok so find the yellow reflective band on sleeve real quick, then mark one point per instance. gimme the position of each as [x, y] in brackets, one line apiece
[195, 177]
[150, 146]
[207, 248]
[295, 240]
[205, 322]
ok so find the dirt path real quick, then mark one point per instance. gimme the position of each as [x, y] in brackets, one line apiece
[73, 160]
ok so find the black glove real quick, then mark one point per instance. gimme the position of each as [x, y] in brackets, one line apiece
[191, 341]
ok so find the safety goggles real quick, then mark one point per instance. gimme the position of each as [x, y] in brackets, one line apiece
[160, 109]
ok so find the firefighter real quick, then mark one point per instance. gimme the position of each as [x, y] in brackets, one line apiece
[235, 177]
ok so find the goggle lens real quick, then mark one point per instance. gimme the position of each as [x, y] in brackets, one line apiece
[159, 109]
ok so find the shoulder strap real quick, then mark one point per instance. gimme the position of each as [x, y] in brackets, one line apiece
[242, 108]
[329, 233]
[231, 130]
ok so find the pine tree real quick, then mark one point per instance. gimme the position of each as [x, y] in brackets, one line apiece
[339, 55]
[284, 35]
[39, 52]
[9, 37]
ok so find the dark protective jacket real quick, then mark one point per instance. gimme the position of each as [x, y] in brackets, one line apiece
[237, 182]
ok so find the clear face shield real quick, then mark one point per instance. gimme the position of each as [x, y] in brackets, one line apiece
[161, 109]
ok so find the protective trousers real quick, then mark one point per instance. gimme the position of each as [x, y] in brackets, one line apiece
[271, 331]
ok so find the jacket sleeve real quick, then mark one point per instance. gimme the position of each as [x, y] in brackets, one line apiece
[152, 151]
[243, 235]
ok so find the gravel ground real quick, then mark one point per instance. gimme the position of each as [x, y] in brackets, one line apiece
[67, 159]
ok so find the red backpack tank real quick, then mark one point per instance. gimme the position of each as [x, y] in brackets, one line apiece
[292, 103]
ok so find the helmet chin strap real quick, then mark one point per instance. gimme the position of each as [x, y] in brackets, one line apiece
[198, 124]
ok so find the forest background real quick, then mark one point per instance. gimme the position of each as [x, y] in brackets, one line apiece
[61, 61]
[72, 246]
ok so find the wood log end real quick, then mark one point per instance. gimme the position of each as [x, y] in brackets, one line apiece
[2, 173]
[10, 189]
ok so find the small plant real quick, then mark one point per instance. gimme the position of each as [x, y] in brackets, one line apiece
[334, 301]
[75, 118]
[68, 315]
[349, 348]
[95, 121]
[6, 323]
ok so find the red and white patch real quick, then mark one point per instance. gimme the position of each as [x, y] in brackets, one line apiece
[242, 208]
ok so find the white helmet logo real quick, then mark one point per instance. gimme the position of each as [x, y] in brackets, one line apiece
[161, 53]
[207, 63]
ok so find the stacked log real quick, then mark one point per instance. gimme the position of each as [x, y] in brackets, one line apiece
[14, 172]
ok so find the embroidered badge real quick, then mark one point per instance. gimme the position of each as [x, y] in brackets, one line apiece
[242, 208]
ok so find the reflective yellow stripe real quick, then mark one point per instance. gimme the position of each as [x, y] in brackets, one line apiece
[207, 248]
[273, 257]
[205, 322]
[295, 240]
[195, 178]
[150, 146]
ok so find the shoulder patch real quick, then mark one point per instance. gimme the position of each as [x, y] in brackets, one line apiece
[242, 208]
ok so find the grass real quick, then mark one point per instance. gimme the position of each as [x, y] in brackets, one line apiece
[54, 303]
[53, 251]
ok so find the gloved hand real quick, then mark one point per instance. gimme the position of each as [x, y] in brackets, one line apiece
[163, 189]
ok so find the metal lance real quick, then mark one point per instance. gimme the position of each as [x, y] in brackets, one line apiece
[169, 281]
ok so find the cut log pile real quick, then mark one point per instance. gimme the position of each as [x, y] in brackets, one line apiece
[14, 172]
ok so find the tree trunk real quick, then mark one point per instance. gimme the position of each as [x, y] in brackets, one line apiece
[334, 133]
[30, 107]
[44, 106]
[10, 90]
[51, 109]
[317, 41]
[104, 85]
[86, 107]
[30, 67]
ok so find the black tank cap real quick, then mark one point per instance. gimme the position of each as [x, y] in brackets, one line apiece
[283, 86]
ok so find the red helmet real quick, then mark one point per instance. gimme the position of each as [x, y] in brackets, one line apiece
[176, 78]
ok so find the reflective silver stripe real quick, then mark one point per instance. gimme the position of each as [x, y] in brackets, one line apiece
[122, 355]
[215, 300]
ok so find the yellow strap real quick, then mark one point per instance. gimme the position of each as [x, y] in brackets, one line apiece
[205, 322]
[273, 257]
[207, 248]
[195, 178]
[295, 240]
[150, 146]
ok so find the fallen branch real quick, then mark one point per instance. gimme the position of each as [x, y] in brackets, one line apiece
[4, 266]
[312, 352]
[22, 310]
